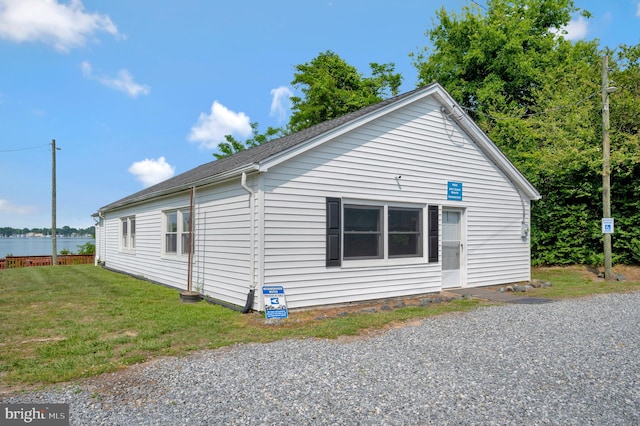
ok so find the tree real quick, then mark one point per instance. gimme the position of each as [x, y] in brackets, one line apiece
[332, 88]
[496, 60]
[625, 152]
[232, 145]
[537, 96]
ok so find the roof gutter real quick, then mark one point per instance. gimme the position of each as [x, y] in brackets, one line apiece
[184, 187]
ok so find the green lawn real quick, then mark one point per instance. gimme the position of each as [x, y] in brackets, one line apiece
[68, 322]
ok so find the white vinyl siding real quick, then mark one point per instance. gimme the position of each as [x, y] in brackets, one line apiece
[221, 242]
[406, 157]
[403, 159]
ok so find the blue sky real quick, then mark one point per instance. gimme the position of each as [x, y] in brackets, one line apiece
[135, 92]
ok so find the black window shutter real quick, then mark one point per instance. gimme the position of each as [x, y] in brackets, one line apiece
[432, 233]
[334, 232]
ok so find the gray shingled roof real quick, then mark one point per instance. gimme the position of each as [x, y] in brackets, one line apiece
[249, 157]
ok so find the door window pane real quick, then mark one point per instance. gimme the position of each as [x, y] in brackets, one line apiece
[450, 255]
[451, 232]
[450, 226]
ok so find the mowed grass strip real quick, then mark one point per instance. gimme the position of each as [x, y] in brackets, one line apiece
[60, 323]
[68, 322]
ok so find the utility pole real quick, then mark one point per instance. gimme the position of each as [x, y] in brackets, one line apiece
[606, 165]
[54, 248]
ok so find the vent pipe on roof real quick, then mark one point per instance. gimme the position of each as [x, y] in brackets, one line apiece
[252, 268]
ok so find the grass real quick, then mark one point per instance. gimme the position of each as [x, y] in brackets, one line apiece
[65, 323]
[577, 281]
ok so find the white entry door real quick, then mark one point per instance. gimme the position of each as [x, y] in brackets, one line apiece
[452, 248]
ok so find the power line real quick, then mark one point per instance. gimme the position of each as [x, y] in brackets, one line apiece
[23, 149]
[478, 4]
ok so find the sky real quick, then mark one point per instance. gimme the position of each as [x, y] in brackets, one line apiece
[135, 92]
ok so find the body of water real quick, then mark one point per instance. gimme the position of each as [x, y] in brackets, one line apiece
[39, 246]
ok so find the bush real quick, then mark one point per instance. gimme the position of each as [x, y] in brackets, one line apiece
[87, 248]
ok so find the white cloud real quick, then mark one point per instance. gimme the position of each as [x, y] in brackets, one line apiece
[281, 103]
[124, 82]
[576, 29]
[8, 207]
[64, 26]
[211, 128]
[150, 172]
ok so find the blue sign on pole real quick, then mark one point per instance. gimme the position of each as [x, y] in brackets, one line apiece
[454, 191]
[275, 305]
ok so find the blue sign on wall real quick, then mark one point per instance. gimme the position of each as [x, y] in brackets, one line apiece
[454, 191]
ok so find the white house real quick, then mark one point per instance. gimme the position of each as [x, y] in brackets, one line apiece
[401, 198]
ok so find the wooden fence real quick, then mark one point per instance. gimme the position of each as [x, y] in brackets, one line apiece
[63, 259]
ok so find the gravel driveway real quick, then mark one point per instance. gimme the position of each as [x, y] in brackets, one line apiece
[570, 362]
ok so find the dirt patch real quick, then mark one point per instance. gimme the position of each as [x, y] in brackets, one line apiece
[630, 272]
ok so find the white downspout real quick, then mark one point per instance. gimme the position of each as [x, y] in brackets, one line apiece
[252, 267]
[101, 251]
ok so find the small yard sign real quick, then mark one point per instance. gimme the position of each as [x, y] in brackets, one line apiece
[454, 191]
[607, 225]
[275, 304]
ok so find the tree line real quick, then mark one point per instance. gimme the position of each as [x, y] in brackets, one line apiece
[535, 93]
[65, 231]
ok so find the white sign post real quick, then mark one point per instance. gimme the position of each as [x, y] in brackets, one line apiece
[607, 225]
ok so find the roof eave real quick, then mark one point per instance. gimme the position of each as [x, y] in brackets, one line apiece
[179, 188]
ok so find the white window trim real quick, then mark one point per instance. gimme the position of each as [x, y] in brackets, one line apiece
[385, 261]
[127, 243]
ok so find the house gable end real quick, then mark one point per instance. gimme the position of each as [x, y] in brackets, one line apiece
[450, 109]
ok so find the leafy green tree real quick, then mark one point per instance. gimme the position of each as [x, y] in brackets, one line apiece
[495, 61]
[232, 145]
[537, 96]
[332, 88]
[625, 152]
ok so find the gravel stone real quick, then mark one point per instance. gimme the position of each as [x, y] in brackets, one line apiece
[572, 362]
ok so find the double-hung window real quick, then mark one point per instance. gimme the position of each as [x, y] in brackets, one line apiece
[177, 232]
[373, 231]
[128, 234]
[404, 230]
[363, 232]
